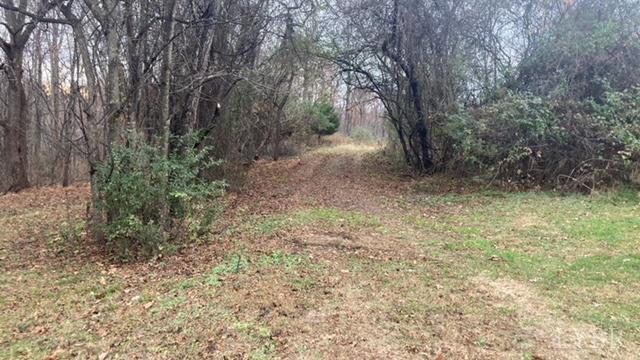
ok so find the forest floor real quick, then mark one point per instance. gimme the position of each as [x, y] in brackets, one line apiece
[323, 256]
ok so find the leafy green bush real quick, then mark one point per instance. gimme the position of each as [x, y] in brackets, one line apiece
[528, 140]
[325, 120]
[499, 135]
[147, 198]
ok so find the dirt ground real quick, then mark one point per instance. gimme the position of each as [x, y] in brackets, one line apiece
[315, 259]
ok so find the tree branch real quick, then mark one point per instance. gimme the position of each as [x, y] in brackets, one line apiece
[3, 123]
[5, 46]
[5, 25]
[34, 16]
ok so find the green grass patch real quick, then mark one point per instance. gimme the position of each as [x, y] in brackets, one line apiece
[261, 334]
[611, 230]
[289, 261]
[572, 247]
[602, 269]
[281, 258]
[321, 217]
[301, 272]
[234, 265]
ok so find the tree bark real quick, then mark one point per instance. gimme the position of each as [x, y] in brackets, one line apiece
[407, 65]
[421, 126]
[15, 145]
[202, 62]
[167, 64]
[287, 81]
[88, 122]
[37, 115]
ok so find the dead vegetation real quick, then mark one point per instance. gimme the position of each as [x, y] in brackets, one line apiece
[316, 258]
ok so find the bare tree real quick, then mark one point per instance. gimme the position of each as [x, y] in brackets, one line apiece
[20, 27]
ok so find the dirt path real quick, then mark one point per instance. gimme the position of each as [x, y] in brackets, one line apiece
[339, 178]
[333, 177]
[316, 260]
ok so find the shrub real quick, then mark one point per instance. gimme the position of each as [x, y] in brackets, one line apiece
[144, 195]
[529, 141]
[325, 120]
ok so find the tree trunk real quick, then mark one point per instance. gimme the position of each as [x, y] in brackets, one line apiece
[287, 81]
[114, 124]
[347, 107]
[407, 65]
[278, 132]
[37, 113]
[15, 144]
[421, 126]
[167, 64]
[67, 139]
[202, 62]
[89, 126]
[134, 63]
[66, 167]
[15, 148]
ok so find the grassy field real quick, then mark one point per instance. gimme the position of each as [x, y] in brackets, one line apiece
[581, 252]
[318, 258]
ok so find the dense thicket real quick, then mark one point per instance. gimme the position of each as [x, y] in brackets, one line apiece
[529, 92]
[529, 141]
[567, 113]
